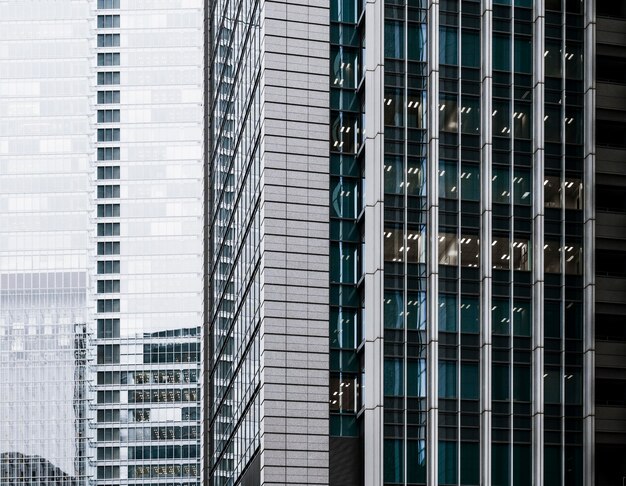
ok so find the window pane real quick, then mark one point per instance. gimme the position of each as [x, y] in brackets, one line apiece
[416, 378]
[502, 52]
[470, 182]
[501, 387]
[394, 175]
[394, 377]
[501, 185]
[448, 249]
[416, 42]
[470, 382]
[448, 177]
[448, 113]
[523, 55]
[394, 310]
[521, 383]
[416, 461]
[447, 313]
[470, 115]
[552, 58]
[500, 317]
[470, 312]
[522, 187]
[447, 462]
[416, 311]
[394, 40]
[470, 48]
[393, 461]
[447, 379]
[448, 46]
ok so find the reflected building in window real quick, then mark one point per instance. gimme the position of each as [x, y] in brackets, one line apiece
[459, 159]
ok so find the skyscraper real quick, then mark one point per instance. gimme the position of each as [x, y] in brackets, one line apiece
[401, 220]
[101, 269]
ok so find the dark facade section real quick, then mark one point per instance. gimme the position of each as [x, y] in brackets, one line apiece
[346, 461]
[611, 243]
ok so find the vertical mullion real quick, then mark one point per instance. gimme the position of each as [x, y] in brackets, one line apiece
[432, 261]
[589, 247]
[538, 244]
[486, 208]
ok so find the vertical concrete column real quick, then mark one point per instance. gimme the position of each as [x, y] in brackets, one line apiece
[589, 235]
[432, 249]
[374, 248]
[294, 242]
[486, 212]
[538, 244]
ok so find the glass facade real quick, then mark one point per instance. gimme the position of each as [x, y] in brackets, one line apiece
[45, 139]
[234, 157]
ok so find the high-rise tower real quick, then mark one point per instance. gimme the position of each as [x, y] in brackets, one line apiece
[459, 236]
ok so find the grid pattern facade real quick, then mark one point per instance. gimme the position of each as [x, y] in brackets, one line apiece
[475, 362]
[149, 242]
[45, 142]
[233, 355]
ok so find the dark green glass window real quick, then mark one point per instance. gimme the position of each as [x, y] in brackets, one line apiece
[470, 462]
[523, 55]
[501, 52]
[470, 382]
[344, 67]
[447, 379]
[500, 465]
[501, 182]
[447, 462]
[500, 319]
[552, 385]
[393, 461]
[416, 461]
[416, 42]
[521, 318]
[394, 377]
[448, 179]
[522, 187]
[521, 383]
[447, 313]
[470, 312]
[344, 194]
[470, 182]
[416, 311]
[522, 465]
[394, 40]
[394, 310]
[501, 385]
[552, 318]
[553, 124]
[416, 378]
[416, 185]
[552, 57]
[552, 465]
[573, 387]
[522, 120]
[394, 107]
[501, 118]
[344, 264]
[394, 175]
[448, 46]
[470, 48]
[343, 324]
[470, 115]
[574, 61]
[343, 11]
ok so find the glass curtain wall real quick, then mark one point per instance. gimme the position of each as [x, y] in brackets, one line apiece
[346, 216]
[563, 253]
[233, 407]
[404, 299]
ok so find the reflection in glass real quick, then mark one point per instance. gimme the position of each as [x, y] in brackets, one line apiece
[448, 113]
[344, 197]
[448, 249]
[470, 251]
[470, 48]
[343, 393]
[521, 255]
[344, 67]
[448, 180]
[344, 133]
[448, 46]
[394, 108]
[447, 313]
[501, 255]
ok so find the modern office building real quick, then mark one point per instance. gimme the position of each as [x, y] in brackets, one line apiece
[101, 241]
[400, 242]
[148, 189]
[45, 139]
[610, 311]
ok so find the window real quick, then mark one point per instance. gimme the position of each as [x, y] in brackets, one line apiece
[108, 3]
[500, 317]
[521, 120]
[416, 377]
[108, 134]
[470, 381]
[522, 187]
[394, 108]
[501, 52]
[344, 263]
[108, 305]
[108, 248]
[416, 42]
[611, 69]
[448, 46]
[448, 246]
[108, 97]
[394, 377]
[109, 354]
[108, 328]
[343, 393]
[470, 312]
[393, 462]
[470, 48]
[470, 115]
[521, 383]
[501, 185]
[447, 462]
[109, 172]
[108, 229]
[448, 179]
[523, 55]
[344, 11]
[552, 57]
[108, 21]
[108, 286]
[108, 210]
[448, 113]
[610, 133]
[106, 192]
[108, 116]
[393, 310]
[110, 266]
[108, 40]
[109, 153]
[109, 59]
[447, 313]
[394, 40]
[611, 9]
[500, 389]
[343, 323]
[109, 77]
[611, 198]
[447, 379]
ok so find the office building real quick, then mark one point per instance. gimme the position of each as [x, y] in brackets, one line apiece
[148, 272]
[401, 238]
[610, 184]
[101, 269]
